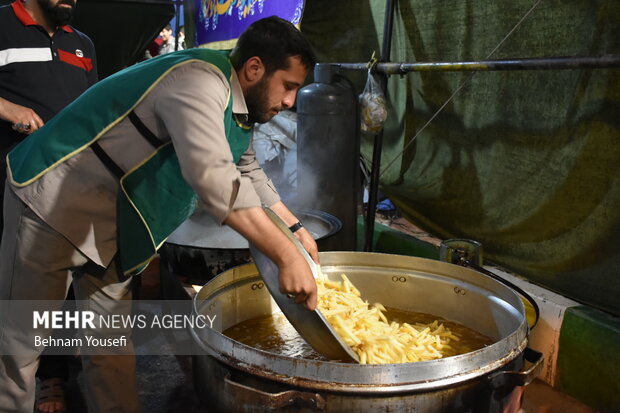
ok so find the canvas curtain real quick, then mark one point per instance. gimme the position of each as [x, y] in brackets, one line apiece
[526, 162]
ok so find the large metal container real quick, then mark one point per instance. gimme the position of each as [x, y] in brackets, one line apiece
[201, 248]
[328, 172]
[236, 377]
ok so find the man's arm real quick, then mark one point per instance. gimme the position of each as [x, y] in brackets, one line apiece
[191, 101]
[295, 274]
[18, 114]
[248, 166]
[92, 76]
[302, 234]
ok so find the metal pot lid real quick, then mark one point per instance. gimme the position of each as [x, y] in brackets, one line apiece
[201, 231]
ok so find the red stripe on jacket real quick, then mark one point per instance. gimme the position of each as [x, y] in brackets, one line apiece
[83, 62]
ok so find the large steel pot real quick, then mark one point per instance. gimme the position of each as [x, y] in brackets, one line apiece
[234, 377]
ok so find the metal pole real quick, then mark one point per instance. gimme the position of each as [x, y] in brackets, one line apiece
[373, 190]
[177, 12]
[544, 63]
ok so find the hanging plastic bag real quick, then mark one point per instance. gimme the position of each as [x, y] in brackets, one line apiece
[373, 105]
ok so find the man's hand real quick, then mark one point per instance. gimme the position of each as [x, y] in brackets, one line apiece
[23, 119]
[296, 280]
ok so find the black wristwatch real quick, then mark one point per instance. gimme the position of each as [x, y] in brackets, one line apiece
[295, 227]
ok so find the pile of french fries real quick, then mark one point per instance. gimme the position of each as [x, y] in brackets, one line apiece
[365, 328]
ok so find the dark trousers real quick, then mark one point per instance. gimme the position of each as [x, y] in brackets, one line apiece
[53, 366]
[50, 366]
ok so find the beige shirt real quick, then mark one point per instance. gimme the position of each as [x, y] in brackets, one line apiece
[78, 197]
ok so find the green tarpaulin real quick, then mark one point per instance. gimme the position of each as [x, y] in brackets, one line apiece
[526, 162]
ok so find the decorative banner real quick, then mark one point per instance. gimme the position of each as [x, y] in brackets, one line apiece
[220, 22]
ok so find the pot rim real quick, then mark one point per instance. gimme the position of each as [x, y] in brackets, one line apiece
[232, 359]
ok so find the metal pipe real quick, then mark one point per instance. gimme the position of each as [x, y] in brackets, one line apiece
[373, 189]
[177, 14]
[388, 23]
[385, 68]
[467, 263]
[544, 63]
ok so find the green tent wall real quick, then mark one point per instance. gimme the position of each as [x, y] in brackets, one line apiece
[526, 162]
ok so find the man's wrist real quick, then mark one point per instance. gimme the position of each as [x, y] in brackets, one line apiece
[296, 227]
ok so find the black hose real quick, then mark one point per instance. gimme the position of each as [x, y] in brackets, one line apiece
[466, 263]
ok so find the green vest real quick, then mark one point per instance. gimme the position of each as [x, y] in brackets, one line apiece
[153, 199]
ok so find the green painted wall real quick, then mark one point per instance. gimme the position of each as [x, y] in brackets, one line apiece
[589, 358]
[390, 241]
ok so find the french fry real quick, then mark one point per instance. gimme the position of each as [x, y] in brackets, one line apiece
[367, 330]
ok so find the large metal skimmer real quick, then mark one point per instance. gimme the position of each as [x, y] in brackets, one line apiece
[311, 325]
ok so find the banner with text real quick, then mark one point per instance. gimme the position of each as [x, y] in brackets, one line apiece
[220, 22]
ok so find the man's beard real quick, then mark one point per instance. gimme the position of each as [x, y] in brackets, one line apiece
[55, 14]
[258, 104]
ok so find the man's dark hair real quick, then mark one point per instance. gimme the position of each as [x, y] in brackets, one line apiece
[274, 40]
